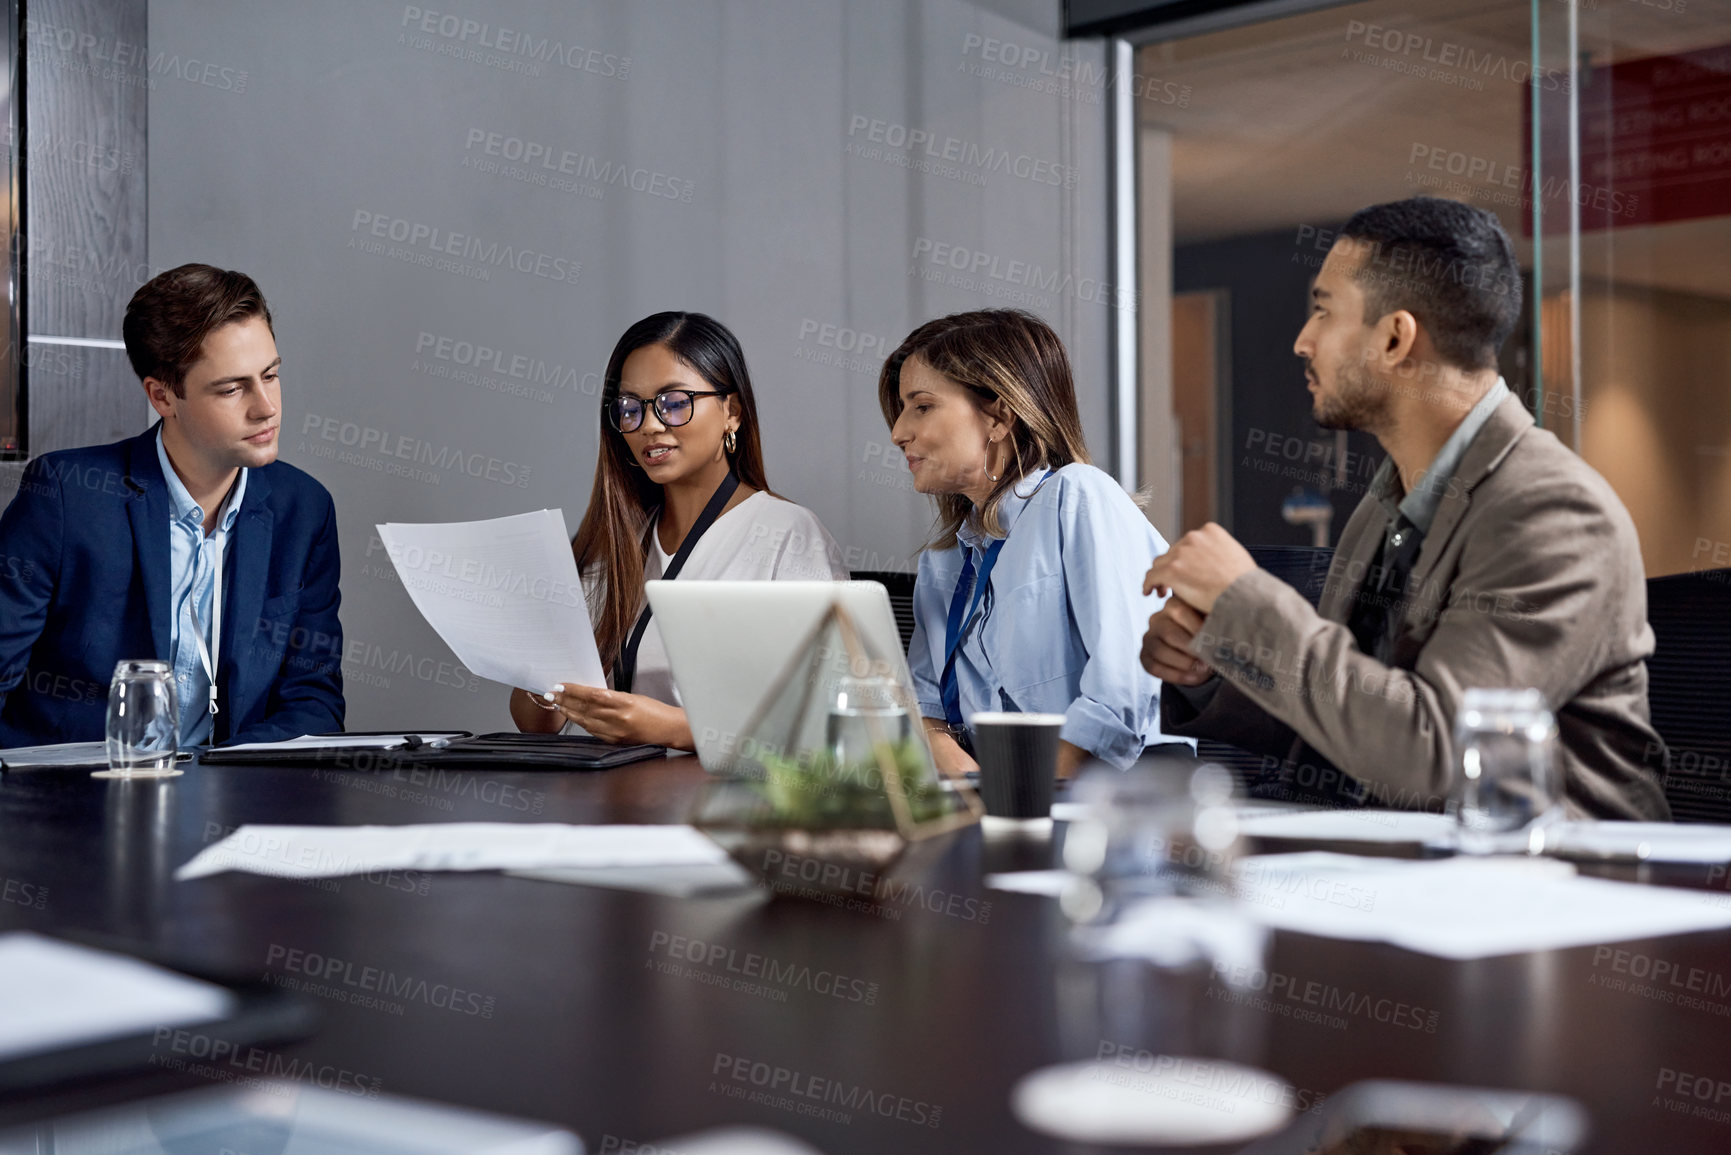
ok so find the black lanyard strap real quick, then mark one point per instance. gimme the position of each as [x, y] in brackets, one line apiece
[625, 669]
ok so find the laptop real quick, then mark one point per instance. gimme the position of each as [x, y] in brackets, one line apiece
[729, 642]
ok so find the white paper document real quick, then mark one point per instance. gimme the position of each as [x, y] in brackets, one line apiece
[1389, 826]
[674, 881]
[81, 755]
[1641, 841]
[351, 741]
[56, 994]
[60, 754]
[503, 594]
[1463, 908]
[332, 851]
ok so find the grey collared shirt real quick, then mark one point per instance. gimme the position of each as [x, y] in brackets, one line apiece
[1420, 505]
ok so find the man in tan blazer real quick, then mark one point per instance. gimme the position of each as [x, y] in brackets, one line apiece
[1485, 554]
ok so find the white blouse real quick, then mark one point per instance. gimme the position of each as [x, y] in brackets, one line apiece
[763, 538]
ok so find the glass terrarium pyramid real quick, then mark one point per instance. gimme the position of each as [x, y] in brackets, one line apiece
[832, 778]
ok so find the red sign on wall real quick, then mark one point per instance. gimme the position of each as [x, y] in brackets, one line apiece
[1655, 143]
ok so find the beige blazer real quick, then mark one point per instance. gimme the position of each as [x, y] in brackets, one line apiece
[1530, 576]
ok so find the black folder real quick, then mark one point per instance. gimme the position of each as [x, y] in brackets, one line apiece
[457, 750]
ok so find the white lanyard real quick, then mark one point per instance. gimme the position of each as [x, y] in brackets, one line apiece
[208, 655]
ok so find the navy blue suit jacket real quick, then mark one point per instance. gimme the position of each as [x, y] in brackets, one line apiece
[84, 583]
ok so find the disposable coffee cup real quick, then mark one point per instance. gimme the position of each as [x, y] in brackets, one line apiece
[1018, 757]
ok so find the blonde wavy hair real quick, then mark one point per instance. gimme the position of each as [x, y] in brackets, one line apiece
[997, 355]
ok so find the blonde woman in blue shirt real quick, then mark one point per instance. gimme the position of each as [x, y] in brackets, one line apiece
[1029, 594]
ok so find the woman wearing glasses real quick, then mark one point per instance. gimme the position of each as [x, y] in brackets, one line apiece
[1029, 597]
[679, 490]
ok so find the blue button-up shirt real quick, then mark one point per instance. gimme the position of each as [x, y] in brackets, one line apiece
[194, 561]
[1060, 629]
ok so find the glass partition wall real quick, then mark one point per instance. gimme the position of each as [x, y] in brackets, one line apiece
[1632, 158]
[1269, 135]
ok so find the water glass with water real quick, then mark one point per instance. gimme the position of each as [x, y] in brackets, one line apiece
[1505, 771]
[866, 712]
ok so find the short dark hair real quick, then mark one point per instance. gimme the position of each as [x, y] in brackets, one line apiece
[168, 319]
[1448, 264]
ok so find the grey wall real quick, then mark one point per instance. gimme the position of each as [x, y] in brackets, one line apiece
[765, 194]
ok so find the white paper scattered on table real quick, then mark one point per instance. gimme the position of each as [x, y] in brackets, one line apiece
[332, 851]
[60, 754]
[55, 994]
[1464, 908]
[1646, 841]
[82, 755]
[1391, 826]
[1243, 809]
[712, 878]
[503, 594]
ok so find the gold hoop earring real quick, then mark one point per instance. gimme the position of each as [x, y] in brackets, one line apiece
[729, 441]
[990, 476]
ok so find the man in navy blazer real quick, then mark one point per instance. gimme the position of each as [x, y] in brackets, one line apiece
[189, 543]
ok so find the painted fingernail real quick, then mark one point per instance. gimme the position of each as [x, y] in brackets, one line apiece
[548, 695]
[559, 688]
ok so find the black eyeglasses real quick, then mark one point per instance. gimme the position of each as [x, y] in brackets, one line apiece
[673, 407]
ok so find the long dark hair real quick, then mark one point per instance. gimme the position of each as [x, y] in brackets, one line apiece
[623, 499]
[1002, 355]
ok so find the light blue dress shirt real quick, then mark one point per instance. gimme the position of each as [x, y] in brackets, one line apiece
[1060, 629]
[193, 560]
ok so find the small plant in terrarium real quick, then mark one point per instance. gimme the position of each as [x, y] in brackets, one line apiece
[834, 767]
[825, 791]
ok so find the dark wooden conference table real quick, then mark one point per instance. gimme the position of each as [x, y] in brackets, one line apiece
[567, 1004]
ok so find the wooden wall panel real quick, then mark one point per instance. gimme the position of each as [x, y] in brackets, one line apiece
[87, 90]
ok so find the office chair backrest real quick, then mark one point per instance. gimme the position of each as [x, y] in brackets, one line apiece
[901, 591]
[1304, 568]
[1689, 691]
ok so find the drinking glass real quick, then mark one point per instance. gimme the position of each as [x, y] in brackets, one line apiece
[1161, 828]
[143, 726]
[1505, 783]
[866, 711]
[1156, 1010]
